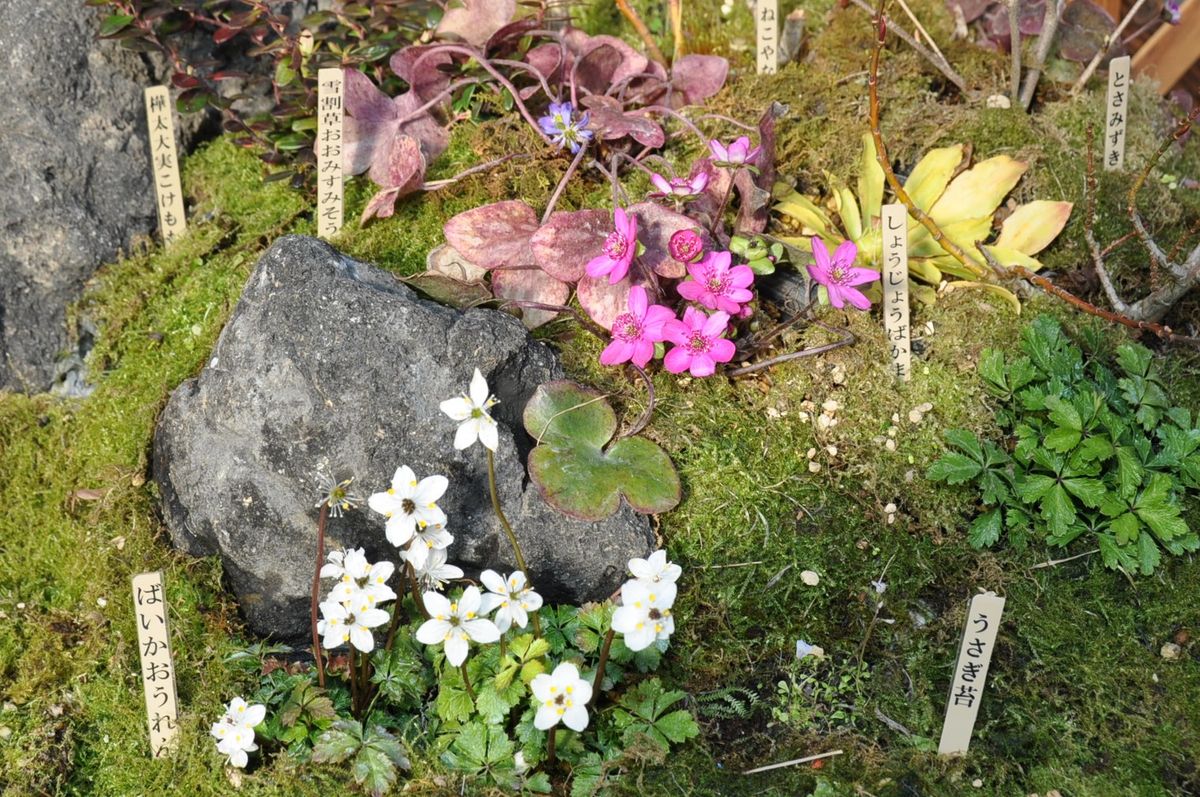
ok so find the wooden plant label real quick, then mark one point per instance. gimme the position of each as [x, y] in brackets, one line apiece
[168, 191]
[894, 224]
[158, 669]
[766, 27]
[1116, 111]
[970, 672]
[330, 196]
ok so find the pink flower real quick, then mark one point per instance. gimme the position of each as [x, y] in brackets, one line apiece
[717, 286]
[619, 248]
[698, 343]
[680, 188]
[635, 333]
[738, 153]
[840, 276]
[686, 246]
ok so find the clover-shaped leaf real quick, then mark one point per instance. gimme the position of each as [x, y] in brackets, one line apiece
[575, 473]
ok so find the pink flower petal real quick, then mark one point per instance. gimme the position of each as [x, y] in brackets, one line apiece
[638, 301]
[703, 365]
[656, 319]
[677, 360]
[821, 255]
[600, 266]
[619, 351]
[845, 254]
[857, 298]
[861, 276]
[741, 276]
[643, 352]
[722, 350]
[677, 332]
[660, 183]
[716, 324]
[691, 290]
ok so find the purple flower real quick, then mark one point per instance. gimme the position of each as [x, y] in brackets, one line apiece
[717, 286]
[563, 128]
[738, 153]
[686, 246]
[840, 276]
[1171, 12]
[680, 188]
[635, 333]
[619, 248]
[698, 343]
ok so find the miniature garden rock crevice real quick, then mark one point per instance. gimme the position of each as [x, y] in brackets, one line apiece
[328, 359]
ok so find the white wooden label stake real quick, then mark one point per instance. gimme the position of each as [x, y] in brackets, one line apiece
[970, 672]
[894, 227]
[158, 668]
[330, 196]
[168, 191]
[1116, 114]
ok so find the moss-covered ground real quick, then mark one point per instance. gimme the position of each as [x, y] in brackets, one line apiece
[1080, 699]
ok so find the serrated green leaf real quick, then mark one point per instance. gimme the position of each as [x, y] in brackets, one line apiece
[1089, 491]
[966, 441]
[1033, 487]
[1163, 520]
[1096, 448]
[1134, 359]
[1148, 554]
[453, 702]
[992, 369]
[1058, 509]
[1126, 527]
[491, 705]
[1063, 439]
[1063, 413]
[338, 743]
[985, 530]
[678, 726]
[954, 468]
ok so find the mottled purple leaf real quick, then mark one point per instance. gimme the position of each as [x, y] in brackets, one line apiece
[612, 123]
[656, 225]
[447, 260]
[424, 72]
[496, 235]
[548, 59]
[424, 128]
[1031, 15]
[477, 20]
[511, 34]
[754, 193]
[530, 285]
[995, 29]
[374, 121]
[568, 240]
[602, 300]
[632, 62]
[594, 71]
[380, 206]
[1083, 30]
[404, 168]
[699, 77]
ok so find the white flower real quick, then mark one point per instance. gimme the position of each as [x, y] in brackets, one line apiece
[519, 765]
[803, 650]
[408, 504]
[240, 713]
[471, 412]
[358, 579]
[353, 623]
[655, 569]
[644, 615]
[435, 572]
[562, 695]
[234, 742]
[429, 538]
[512, 599]
[454, 624]
[880, 586]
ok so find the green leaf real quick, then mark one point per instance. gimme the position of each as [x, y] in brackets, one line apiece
[309, 701]
[1058, 509]
[375, 765]
[1089, 491]
[991, 368]
[338, 743]
[1033, 487]
[477, 747]
[1129, 472]
[284, 74]
[401, 674]
[115, 23]
[1134, 359]
[1063, 413]
[1096, 448]
[966, 441]
[453, 702]
[954, 468]
[1126, 527]
[572, 470]
[985, 530]
[1148, 554]
[1062, 439]
[1163, 520]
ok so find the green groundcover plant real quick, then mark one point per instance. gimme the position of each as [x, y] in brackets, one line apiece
[1090, 450]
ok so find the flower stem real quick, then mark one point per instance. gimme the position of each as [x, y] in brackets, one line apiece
[719, 215]
[364, 684]
[551, 753]
[512, 537]
[397, 608]
[462, 668]
[353, 685]
[608, 640]
[316, 591]
[416, 591]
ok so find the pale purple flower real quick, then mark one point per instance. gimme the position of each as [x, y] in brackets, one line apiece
[680, 188]
[1171, 12]
[698, 343]
[686, 246]
[738, 153]
[716, 285]
[634, 333]
[840, 276]
[619, 248]
[563, 128]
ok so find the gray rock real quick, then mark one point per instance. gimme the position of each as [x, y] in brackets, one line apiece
[75, 171]
[325, 357]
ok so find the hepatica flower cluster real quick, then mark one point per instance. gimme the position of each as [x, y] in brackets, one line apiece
[408, 636]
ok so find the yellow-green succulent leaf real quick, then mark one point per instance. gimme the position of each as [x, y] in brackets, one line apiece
[999, 290]
[948, 264]
[802, 209]
[921, 293]
[870, 182]
[979, 190]
[924, 269]
[964, 232]
[1032, 226]
[847, 207]
[931, 175]
[1013, 257]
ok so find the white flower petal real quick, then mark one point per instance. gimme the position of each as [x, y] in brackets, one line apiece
[482, 631]
[576, 717]
[456, 650]
[492, 580]
[479, 389]
[362, 639]
[432, 632]
[430, 489]
[546, 717]
[254, 715]
[466, 434]
[488, 434]
[403, 481]
[458, 408]
[470, 600]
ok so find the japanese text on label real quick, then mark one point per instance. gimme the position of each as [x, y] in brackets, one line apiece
[970, 672]
[158, 668]
[168, 192]
[894, 227]
[330, 197]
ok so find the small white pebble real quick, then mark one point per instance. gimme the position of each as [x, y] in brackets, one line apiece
[928, 328]
[5, 733]
[1170, 651]
[977, 783]
[838, 375]
[825, 422]
[831, 450]
[803, 416]
[830, 405]
[101, 602]
[20, 605]
[891, 431]
[772, 413]
[890, 445]
[813, 467]
[895, 417]
[812, 452]
[810, 578]
[915, 416]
